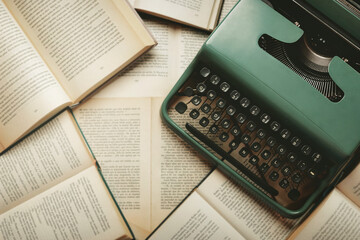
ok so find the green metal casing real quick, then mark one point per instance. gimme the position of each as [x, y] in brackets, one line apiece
[233, 49]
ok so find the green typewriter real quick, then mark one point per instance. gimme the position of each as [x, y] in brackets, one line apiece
[273, 96]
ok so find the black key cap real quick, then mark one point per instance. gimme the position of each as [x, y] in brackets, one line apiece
[254, 160]
[201, 87]
[271, 141]
[254, 110]
[294, 194]
[230, 110]
[211, 95]
[216, 116]
[205, 108]
[224, 87]
[295, 141]
[204, 121]
[261, 133]
[265, 118]
[244, 152]
[215, 79]
[284, 183]
[194, 114]
[233, 145]
[181, 107]
[274, 176]
[302, 165]
[276, 163]
[224, 137]
[251, 126]
[306, 150]
[275, 126]
[296, 178]
[221, 103]
[281, 149]
[264, 168]
[256, 146]
[313, 172]
[225, 123]
[245, 138]
[213, 129]
[234, 95]
[316, 157]
[241, 118]
[244, 102]
[205, 72]
[196, 100]
[235, 131]
[292, 157]
[285, 134]
[266, 154]
[286, 171]
[188, 92]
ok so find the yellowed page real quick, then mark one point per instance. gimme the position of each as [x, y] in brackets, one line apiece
[78, 208]
[156, 72]
[83, 42]
[48, 156]
[194, 12]
[118, 131]
[196, 219]
[28, 90]
[250, 217]
[227, 6]
[336, 218]
[176, 168]
[350, 186]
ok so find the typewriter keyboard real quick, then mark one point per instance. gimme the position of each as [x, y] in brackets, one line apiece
[248, 138]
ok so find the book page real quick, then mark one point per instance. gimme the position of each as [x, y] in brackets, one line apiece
[336, 218]
[193, 12]
[78, 208]
[28, 90]
[83, 42]
[195, 219]
[156, 72]
[250, 217]
[119, 131]
[227, 6]
[176, 168]
[350, 186]
[46, 157]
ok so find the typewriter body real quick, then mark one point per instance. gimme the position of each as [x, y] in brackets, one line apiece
[272, 99]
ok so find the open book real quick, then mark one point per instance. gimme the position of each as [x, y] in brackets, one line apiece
[53, 54]
[148, 168]
[202, 14]
[51, 188]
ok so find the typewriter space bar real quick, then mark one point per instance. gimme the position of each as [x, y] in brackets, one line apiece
[232, 160]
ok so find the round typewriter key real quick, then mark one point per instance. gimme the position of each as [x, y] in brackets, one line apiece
[302, 165]
[254, 110]
[274, 176]
[241, 118]
[306, 150]
[211, 95]
[294, 194]
[188, 92]
[196, 100]
[244, 102]
[296, 178]
[213, 129]
[224, 137]
[276, 163]
[194, 114]
[224, 87]
[292, 157]
[266, 154]
[205, 108]
[284, 183]
[256, 146]
[214, 79]
[245, 138]
[205, 72]
[244, 152]
[254, 160]
[316, 157]
[275, 126]
[264, 168]
[251, 126]
[265, 118]
[201, 87]
[285, 134]
[221, 103]
[235, 131]
[313, 172]
[260, 133]
[281, 149]
[271, 141]
[181, 107]
[204, 121]
[225, 123]
[233, 144]
[216, 116]
[234, 95]
[230, 110]
[286, 171]
[295, 141]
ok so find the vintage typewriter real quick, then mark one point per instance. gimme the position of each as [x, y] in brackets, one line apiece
[272, 99]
